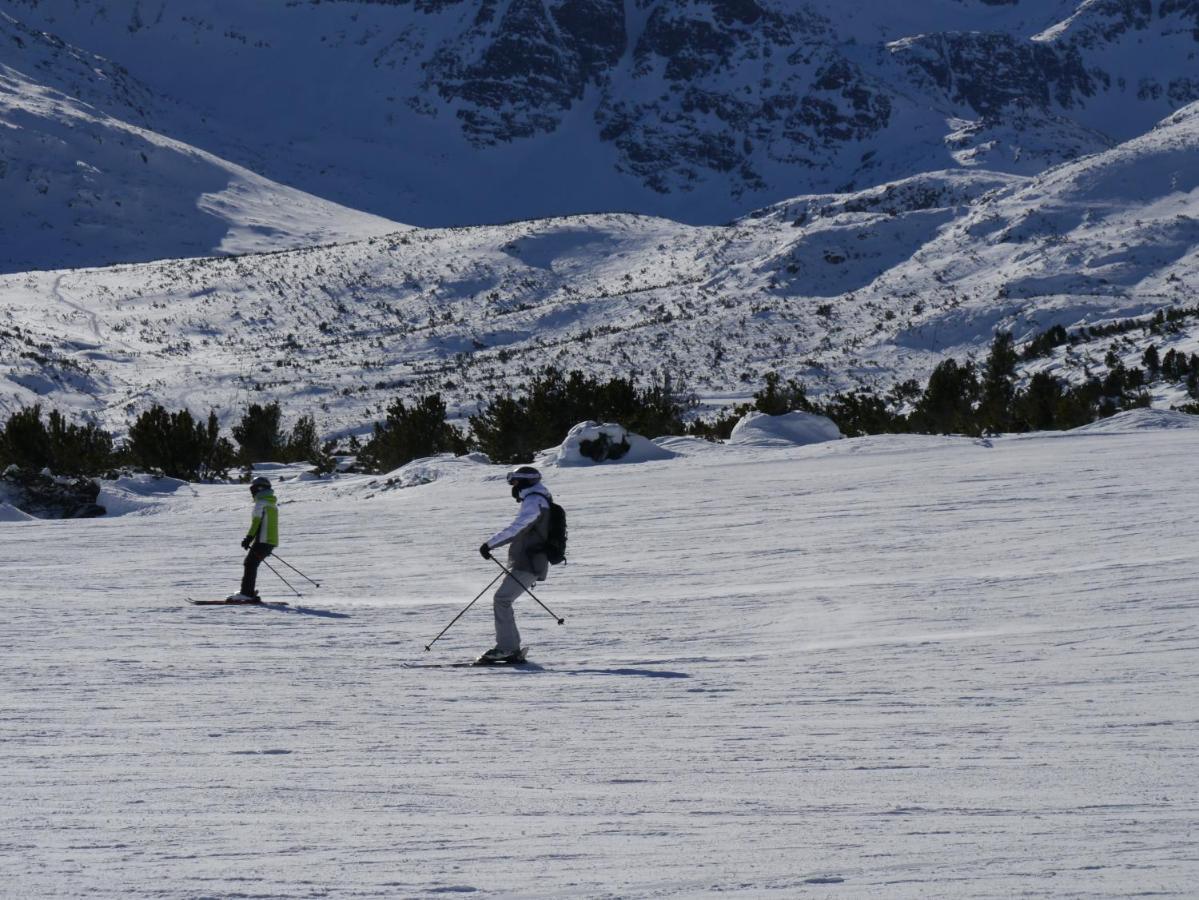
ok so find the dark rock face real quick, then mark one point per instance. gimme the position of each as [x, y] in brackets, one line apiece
[797, 98]
[535, 62]
[666, 101]
[746, 101]
[1107, 20]
[841, 106]
[52, 498]
[987, 73]
[1186, 10]
[729, 88]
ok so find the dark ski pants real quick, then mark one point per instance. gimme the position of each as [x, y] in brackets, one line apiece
[258, 552]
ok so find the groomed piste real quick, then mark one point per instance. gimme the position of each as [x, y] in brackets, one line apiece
[895, 667]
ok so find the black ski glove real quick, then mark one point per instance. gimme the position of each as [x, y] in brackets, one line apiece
[247, 542]
[485, 551]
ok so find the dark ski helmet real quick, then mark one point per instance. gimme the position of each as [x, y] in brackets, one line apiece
[259, 485]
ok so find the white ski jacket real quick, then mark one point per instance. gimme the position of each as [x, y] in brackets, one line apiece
[528, 532]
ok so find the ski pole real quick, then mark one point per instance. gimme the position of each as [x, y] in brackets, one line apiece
[429, 645]
[294, 569]
[281, 578]
[527, 591]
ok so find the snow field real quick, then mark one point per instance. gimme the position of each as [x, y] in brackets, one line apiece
[884, 667]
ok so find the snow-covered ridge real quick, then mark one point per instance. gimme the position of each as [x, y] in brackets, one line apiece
[837, 290]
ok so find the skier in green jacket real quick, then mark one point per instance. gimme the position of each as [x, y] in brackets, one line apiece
[262, 538]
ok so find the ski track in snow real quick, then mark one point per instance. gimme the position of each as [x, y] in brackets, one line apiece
[887, 667]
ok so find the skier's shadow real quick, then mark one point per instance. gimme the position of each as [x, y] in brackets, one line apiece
[641, 673]
[319, 613]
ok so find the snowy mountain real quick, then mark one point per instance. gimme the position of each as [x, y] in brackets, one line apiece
[839, 290]
[896, 667]
[443, 112]
[1014, 180]
[86, 180]
[900, 666]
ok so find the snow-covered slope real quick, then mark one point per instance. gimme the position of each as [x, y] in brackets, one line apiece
[838, 289]
[450, 112]
[886, 667]
[1115, 233]
[87, 182]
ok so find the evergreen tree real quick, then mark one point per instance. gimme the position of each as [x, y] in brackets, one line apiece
[859, 412]
[79, 449]
[719, 428]
[998, 385]
[1152, 361]
[777, 398]
[258, 435]
[64, 448]
[1044, 343]
[656, 411]
[503, 430]
[410, 433]
[25, 442]
[219, 455]
[1036, 407]
[947, 405]
[514, 429]
[179, 446]
[304, 444]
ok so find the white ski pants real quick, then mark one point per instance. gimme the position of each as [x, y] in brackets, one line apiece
[507, 637]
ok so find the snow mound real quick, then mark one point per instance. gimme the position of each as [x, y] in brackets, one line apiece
[590, 443]
[148, 485]
[687, 446]
[790, 429]
[137, 493]
[1135, 420]
[430, 469]
[9, 513]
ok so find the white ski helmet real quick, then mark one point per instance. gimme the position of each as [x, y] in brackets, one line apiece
[525, 476]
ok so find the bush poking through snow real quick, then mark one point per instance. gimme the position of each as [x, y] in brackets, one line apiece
[603, 447]
[514, 429]
[589, 443]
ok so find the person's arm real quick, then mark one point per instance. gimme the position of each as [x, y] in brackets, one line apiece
[530, 509]
[256, 519]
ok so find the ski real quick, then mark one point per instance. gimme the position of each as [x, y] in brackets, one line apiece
[481, 663]
[468, 665]
[236, 602]
[448, 665]
[518, 661]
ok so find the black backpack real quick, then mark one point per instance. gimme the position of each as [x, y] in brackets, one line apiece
[555, 542]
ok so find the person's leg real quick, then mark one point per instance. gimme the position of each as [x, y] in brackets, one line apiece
[507, 636]
[254, 558]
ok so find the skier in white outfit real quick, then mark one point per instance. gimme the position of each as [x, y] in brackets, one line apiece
[526, 538]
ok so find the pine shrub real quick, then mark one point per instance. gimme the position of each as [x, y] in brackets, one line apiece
[410, 433]
[179, 446]
[259, 436]
[64, 448]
